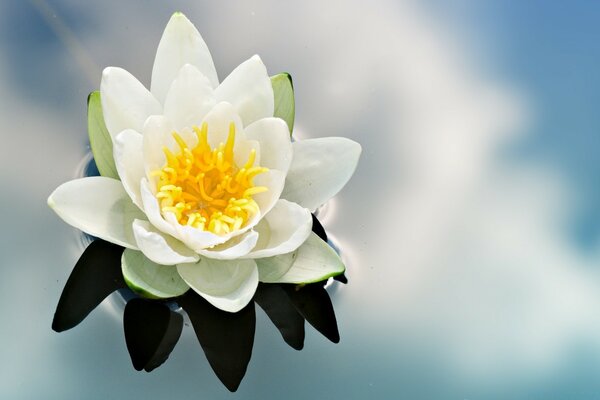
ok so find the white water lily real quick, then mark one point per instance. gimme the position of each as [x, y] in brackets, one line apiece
[212, 194]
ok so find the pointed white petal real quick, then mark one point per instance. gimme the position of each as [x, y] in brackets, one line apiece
[314, 261]
[218, 120]
[149, 279]
[98, 206]
[161, 248]
[285, 228]
[126, 103]
[189, 98]
[157, 134]
[152, 210]
[249, 89]
[180, 44]
[320, 168]
[228, 285]
[235, 247]
[274, 180]
[196, 239]
[128, 155]
[275, 145]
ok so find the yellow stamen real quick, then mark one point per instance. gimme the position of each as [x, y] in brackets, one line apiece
[204, 188]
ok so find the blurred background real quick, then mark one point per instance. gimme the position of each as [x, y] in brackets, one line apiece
[470, 229]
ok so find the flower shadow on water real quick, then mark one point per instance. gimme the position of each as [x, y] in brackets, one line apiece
[153, 327]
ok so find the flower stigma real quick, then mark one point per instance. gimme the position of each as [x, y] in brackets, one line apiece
[204, 188]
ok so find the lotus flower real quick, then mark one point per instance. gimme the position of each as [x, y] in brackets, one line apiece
[210, 191]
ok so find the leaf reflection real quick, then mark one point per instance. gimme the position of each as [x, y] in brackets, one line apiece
[226, 338]
[281, 311]
[152, 329]
[151, 332]
[96, 275]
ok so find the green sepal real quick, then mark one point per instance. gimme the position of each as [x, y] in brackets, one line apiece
[151, 280]
[283, 92]
[100, 140]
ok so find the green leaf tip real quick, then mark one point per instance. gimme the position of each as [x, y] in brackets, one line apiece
[283, 93]
[100, 140]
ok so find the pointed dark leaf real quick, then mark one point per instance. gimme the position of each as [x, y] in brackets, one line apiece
[151, 332]
[314, 304]
[281, 311]
[318, 229]
[96, 275]
[226, 338]
[341, 278]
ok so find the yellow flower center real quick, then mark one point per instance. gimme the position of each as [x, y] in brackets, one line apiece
[204, 188]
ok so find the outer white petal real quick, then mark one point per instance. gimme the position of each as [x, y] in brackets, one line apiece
[160, 248]
[228, 285]
[314, 261]
[126, 103]
[152, 210]
[320, 168]
[98, 206]
[249, 89]
[275, 144]
[128, 155]
[180, 44]
[235, 247]
[282, 230]
[189, 98]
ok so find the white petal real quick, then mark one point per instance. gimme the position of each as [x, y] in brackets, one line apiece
[249, 89]
[196, 239]
[274, 180]
[242, 150]
[235, 247]
[275, 144]
[150, 279]
[129, 160]
[228, 285]
[285, 227]
[320, 168]
[126, 103]
[189, 98]
[98, 206]
[152, 210]
[157, 133]
[180, 44]
[218, 120]
[314, 261]
[161, 248]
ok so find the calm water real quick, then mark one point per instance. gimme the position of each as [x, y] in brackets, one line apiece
[470, 229]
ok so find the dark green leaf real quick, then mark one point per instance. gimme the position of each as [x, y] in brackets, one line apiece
[283, 91]
[313, 302]
[151, 332]
[318, 229]
[281, 311]
[96, 275]
[226, 338]
[100, 140]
